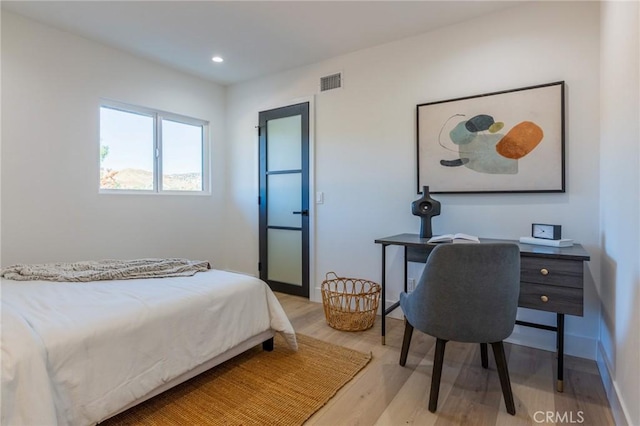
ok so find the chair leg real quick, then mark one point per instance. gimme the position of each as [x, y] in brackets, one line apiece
[406, 341]
[483, 355]
[503, 372]
[437, 374]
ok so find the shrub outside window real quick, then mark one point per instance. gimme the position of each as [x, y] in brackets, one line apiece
[150, 151]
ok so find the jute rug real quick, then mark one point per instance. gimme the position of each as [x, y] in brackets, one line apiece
[281, 387]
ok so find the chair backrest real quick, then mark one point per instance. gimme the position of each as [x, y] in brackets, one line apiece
[467, 292]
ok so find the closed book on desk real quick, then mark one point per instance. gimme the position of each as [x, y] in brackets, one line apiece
[454, 238]
[564, 242]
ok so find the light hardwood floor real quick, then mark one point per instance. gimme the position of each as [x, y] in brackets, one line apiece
[386, 394]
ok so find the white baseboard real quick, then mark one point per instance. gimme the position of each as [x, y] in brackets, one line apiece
[580, 346]
[618, 409]
[316, 295]
[397, 313]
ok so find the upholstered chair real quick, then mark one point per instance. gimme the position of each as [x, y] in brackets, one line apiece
[467, 293]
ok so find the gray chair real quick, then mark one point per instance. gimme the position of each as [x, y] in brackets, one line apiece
[467, 293]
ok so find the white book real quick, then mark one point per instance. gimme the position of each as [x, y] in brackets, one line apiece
[454, 238]
[564, 242]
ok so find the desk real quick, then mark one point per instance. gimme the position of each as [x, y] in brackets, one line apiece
[551, 279]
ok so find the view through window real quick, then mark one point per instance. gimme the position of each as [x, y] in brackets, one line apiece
[151, 151]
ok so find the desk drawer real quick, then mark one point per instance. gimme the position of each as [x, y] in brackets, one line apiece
[563, 300]
[557, 272]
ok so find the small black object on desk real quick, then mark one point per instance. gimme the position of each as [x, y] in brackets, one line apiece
[425, 207]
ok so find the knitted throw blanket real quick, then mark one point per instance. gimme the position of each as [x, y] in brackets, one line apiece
[98, 270]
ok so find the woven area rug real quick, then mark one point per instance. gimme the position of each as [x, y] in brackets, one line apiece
[281, 387]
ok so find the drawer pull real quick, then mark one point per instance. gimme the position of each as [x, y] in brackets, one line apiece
[544, 271]
[544, 298]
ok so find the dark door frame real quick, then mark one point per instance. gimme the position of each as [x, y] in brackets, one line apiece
[264, 116]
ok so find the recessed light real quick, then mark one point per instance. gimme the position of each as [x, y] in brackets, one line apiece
[217, 59]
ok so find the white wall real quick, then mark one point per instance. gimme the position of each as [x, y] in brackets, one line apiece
[52, 83]
[365, 145]
[619, 288]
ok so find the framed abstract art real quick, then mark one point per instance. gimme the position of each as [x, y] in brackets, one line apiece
[509, 141]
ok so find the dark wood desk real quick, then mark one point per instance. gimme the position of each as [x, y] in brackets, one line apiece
[551, 279]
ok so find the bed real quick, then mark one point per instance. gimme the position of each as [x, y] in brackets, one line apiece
[77, 353]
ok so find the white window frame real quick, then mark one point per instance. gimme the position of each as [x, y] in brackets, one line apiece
[158, 116]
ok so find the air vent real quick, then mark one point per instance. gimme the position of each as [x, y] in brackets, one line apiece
[330, 82]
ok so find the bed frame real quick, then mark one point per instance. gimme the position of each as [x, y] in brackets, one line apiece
[266, 338]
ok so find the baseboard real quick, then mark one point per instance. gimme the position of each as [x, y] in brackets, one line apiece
[579, 346]
[396, 313]
[316, 295]
[618, 409]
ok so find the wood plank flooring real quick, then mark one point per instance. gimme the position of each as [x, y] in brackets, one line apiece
[386, 394]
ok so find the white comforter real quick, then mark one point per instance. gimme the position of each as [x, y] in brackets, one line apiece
[74, 353]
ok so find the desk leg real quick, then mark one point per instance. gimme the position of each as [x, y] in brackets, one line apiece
[560, 337]
[383, 291]
[406, 249]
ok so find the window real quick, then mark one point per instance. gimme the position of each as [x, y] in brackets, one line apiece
[143, 150]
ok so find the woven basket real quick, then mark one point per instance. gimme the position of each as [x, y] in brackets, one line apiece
[350, 304]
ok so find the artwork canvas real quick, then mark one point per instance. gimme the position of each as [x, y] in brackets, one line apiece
[509, 141]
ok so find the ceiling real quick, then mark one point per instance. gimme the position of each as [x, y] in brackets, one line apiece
[255, 38]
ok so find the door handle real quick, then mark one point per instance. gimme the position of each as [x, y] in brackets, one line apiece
[303, 212]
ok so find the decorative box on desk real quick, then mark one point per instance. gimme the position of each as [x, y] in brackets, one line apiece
[551, 279]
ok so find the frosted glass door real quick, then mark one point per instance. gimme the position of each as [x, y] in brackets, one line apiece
[284, 195]
[284, 198]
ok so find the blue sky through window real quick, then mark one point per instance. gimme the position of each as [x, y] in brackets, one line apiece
[129, 137]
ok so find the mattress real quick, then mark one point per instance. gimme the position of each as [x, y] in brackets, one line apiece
[77, 353]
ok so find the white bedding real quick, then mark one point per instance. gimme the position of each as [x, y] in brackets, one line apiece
[76, 353]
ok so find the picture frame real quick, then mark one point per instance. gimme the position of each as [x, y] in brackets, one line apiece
[510, 141]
